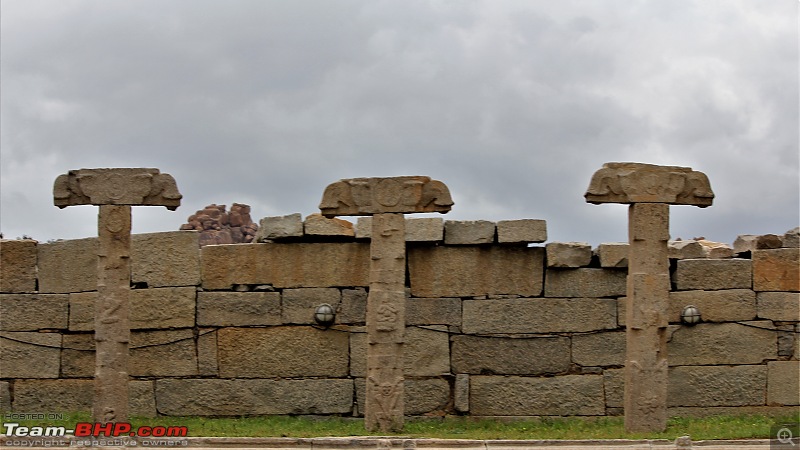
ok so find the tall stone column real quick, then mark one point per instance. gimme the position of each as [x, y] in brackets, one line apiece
[386, 199]
[386, 318]
[649, 190]
[111, 321]
[115, 191]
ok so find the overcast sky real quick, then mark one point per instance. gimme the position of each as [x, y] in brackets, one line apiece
[513, 104]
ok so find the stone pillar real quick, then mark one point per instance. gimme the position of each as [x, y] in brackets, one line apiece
[111, 320]
[386, 320]
[649, 190]
[114, 190]
[386, 199]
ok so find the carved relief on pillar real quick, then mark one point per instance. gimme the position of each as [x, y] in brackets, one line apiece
[647, 183]
[367, 196]
[127, 186]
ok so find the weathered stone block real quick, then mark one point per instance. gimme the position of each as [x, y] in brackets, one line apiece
[76, 396]
[282, 352]
[29, 312]
[286, 265]
[690, 249]
[423, 229]
[724, 343]
[426, 396]
[713, 274]
[474, 271]
[539, 315]
[769, 241]
[142, 398]
[299, 304]
[53, 395]
[171, 307]
[521, 231]
[165, 259]
[226, 309]
[461, 393]
[68, 266]
[599, 349]
[353, 308]
[716, 250]
[783, 383]
[152, 353]
[568, 254]
[29, 354]
[77, 356]
[426, 352]
[585, 283]
[776, 270]
[780, 306]
[716, 386]
[730, 305]
[167, 353]
[207, 397]
[207, 352]
[317, 225]
[614, 387]
[18, 265]
[568, 395]
[468, 232]
[5, 396]
[791, 239]
[280, 227]
[506, 356]
[81, 311]
[613, 255]
[745, 243]
[429, 396]
[433, 311]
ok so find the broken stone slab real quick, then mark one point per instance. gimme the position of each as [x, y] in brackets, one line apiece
[646, 183]
[367, 196]
[468, 232]
[521, 231]
[613, 255]
[126, 186]
[317, 225]
[768, 241]
[744, 243]
[689, 249]
[716, 250]
[568, 254]
[791, 238]
[280, 227]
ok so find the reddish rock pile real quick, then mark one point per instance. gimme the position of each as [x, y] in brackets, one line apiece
[216, 226]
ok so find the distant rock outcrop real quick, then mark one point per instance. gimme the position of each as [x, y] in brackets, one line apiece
[216, 226]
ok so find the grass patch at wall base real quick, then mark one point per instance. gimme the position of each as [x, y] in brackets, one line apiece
[717, 427]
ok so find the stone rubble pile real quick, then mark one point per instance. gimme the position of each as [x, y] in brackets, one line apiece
[216, 226]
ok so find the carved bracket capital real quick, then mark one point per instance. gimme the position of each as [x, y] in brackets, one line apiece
[127, 186]
[368, 196]
[647, 183]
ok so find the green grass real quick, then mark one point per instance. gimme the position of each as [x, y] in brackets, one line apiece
[718, 427]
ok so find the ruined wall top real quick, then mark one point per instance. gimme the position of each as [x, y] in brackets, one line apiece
[126, 186]
[646, 183]
[367, 196]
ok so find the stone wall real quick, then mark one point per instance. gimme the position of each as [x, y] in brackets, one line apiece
[497, 324]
